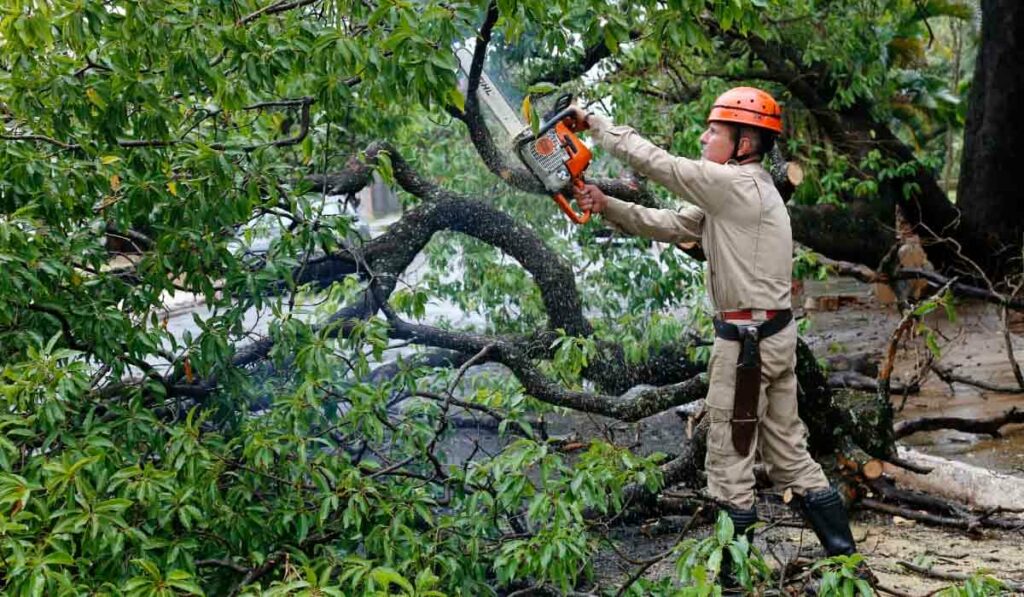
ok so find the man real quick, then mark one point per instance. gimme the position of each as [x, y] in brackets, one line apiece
[743, 227]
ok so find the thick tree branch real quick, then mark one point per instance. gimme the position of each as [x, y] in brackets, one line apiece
[949, 377]
[937, 280]
[538, 385]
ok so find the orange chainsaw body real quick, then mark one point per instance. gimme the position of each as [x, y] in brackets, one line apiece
[558, 158]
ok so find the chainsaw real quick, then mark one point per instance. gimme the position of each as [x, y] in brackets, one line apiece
[554, 154]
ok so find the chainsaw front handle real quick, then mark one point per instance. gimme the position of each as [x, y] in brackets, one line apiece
[566, 207]
[576, 218]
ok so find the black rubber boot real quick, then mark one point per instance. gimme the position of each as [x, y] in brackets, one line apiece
[825, 512]
[742, 520]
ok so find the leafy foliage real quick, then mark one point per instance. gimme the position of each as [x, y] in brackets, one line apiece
[978, 585]
[157, 152]
[840, 575]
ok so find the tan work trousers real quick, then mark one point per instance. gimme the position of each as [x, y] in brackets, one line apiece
[781, 437]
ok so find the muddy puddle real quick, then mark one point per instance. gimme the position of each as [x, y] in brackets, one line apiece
[972, 346]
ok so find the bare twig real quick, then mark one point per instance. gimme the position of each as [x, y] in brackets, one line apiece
[1008, 341]
[956, 576]
[646, 564]
[949, 377]
[274, 8]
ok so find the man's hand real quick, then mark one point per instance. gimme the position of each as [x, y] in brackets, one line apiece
[590, 197]
[579, 117]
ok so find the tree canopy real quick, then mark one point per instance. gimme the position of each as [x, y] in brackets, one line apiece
[294, 439]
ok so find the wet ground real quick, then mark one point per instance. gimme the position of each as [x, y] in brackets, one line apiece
[973, 346]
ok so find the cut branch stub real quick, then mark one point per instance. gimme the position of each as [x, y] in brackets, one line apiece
[857, 462]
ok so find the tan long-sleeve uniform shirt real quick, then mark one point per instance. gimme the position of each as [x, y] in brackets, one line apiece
[739, 218]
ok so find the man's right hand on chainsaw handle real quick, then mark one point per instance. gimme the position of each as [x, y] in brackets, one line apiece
[590, 198]
[579, 118]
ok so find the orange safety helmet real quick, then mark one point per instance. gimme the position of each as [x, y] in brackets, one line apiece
[747, 106]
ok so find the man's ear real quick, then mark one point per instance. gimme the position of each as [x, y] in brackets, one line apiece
[745, 146]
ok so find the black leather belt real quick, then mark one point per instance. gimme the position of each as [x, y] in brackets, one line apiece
[765, 329]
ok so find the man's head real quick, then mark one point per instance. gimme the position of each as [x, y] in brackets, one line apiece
[741, 126]
[722, 142]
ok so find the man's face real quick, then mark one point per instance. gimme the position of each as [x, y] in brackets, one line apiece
[718, 142]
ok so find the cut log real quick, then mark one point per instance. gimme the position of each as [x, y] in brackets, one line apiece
[858, 462]
[975, 486]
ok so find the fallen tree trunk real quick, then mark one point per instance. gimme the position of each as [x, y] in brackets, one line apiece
[965, 483]
[988, 426]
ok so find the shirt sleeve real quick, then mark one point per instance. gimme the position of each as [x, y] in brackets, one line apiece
[664, 225]
[696, 181]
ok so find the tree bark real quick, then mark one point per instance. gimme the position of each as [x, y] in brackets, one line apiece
[989, 192]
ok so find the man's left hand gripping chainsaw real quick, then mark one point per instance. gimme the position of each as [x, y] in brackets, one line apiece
[555, 155]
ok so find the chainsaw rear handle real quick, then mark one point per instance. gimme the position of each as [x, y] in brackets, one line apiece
[563, 203]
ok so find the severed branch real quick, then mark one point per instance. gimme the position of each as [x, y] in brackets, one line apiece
[970, 524]
[858, 381]
[988, 425]
[949, 377]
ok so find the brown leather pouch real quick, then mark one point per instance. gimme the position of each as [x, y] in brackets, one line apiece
[748, 391]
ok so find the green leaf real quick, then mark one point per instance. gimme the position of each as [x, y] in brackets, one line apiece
[542, 88]
[724, 529]
[925, 308]
[456, 99]
[388, 576]
[715, 561]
